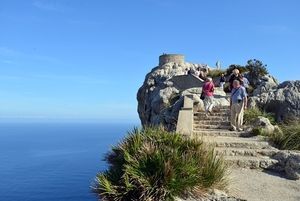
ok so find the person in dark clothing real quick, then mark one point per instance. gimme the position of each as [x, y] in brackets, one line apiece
[235, 76]
[222, 81]
[191, 72]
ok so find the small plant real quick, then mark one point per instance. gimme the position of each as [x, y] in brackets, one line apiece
[152, 164]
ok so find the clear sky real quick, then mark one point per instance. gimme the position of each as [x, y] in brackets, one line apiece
[86, 59]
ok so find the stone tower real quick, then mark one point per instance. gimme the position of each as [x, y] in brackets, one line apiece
[166, 58]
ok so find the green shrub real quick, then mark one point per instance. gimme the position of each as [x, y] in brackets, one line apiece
[215, 73]
[257, 130]
[256, 68]
[252, 113]
[241, 69]
[290, 137]
[226, 89]
[152, 164]
[250, 89]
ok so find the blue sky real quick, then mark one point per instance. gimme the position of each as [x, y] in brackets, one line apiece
[86, 59]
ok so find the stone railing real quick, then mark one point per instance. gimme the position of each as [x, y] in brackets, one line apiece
[186, 116]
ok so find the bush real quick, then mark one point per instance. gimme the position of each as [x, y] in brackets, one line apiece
[256, 68]
[152, 164]
[241, 69]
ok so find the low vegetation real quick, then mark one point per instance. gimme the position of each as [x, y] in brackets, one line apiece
[215, 73]
[287, 137]
[252, 113]
[153, 164]
[241, 69]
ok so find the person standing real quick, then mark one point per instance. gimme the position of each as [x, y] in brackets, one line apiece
[208, 87]
[246, 83]
[191, 71]
[197, 72]
[235, 76]
[238, 103]
[222, 81]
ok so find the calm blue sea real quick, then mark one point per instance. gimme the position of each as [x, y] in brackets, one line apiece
[54, 161]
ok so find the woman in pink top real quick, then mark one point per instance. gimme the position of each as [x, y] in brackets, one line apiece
[208, 88]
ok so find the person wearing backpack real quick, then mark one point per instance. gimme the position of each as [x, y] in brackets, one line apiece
[238, 103]
[208, 88]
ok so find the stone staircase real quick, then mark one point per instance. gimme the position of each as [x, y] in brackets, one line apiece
[240, 149]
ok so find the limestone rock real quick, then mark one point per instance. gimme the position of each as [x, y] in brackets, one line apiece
[289, 161]
[284, 100]
[265, 125]
[264, 84]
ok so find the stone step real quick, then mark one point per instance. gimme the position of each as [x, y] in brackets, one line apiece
[222, 132]
[222, 113]
[212, 122]
[200, 127]
[212, 118]
[216, 110]
[245, 152]
[250, 162]
[239, 142]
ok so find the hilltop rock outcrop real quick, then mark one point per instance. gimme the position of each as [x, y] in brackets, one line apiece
[161, 96]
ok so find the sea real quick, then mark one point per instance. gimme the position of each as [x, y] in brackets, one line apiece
[54, 161]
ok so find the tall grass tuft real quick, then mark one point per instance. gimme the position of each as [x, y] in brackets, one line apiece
[289, 139]
[153, 164]
[252, 113]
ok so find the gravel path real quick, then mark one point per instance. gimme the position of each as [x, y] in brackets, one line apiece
[256, 185]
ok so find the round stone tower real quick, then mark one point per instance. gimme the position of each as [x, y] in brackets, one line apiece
[166, 58]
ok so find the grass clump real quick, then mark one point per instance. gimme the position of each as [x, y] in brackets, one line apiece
[286, 136]
[252, 113]
[289, 137]
[153, 164]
